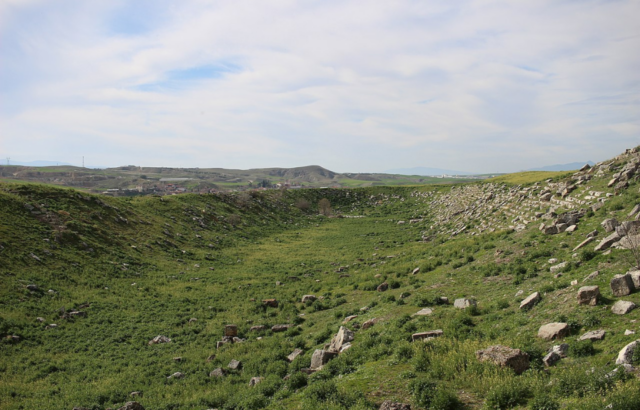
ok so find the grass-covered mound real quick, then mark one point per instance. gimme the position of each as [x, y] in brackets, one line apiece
[185, 266]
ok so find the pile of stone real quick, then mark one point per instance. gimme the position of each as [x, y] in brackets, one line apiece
[230, 336]
[340, 342]
[504, 356]
[566, 222]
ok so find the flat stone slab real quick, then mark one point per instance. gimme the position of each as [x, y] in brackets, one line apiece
[426, 335]
[464, 303]
[505, 357]
[588, 295]
[622, 285]
[423, 312]
[626, 354]
[593, 335]
[622, 307]
[530, 301]
[552, 331]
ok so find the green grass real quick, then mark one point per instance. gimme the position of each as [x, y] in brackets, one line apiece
[143, 267]
[530, 177]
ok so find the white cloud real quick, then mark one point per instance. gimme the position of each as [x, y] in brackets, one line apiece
[351, 85]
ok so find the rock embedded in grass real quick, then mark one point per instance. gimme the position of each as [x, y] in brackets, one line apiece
[464, 303]
[622, 307]
[159, 339]
[426, 335]
[235, 364]
[320, 358]
[593, 335]
[552, 331]
[588, 295]
[219, 372]
[280, 328]
[625, 356]
[392, 405]
[423, 312]
[504, 356]
[132, 405]
[622, 285]
[308, 298]
[293, 355]
[530, 301]
[255, 380]
[343, 336]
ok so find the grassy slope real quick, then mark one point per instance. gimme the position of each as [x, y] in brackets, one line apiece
[96, 361]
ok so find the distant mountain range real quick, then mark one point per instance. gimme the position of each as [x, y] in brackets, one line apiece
[38, 163]
[426, 171]
[563, 167]
[46, 164]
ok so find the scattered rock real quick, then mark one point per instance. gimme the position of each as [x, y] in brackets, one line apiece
[558, 267]
[280, 328]
[307, 298]
[607, 242]
[132, 405]
[464, 303]
[235, 364]
[622, 307]
[349, 319]
[257, 328]
[591, 276]
[176, 375]
[552, 331]
[505, 356]
[593, 335]
[383, 287]
[343, 336]
[584, 243]
[588, 295]
[629, 332]
[270, 303]
[159, 339]
[392, 405]
[255, 380]
[551, 358]
[366, 325]
[610, 224]
[622, 285]
[415, 271]
[426, 335]
[294, 354]
[530, 301]
[219, 372]
[626, 354]
[423, 312]
[320, 358]
[32, 287]
[635, 278]
[562, 349]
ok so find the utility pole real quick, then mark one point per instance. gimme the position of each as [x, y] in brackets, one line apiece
[8, 161]
[83, 161]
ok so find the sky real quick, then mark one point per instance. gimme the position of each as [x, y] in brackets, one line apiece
[351, 85]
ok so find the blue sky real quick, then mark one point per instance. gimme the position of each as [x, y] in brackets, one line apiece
[354, 86]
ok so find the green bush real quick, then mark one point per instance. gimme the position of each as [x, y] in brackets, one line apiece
[543, 402]
[296, 381]
[510, 393]
[581, 348]
[422, 392]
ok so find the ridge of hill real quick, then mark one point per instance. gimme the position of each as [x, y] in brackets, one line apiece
[91, 283]
[133, 180]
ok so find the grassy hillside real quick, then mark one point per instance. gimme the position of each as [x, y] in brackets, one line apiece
[185, 266]
[165, 180]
